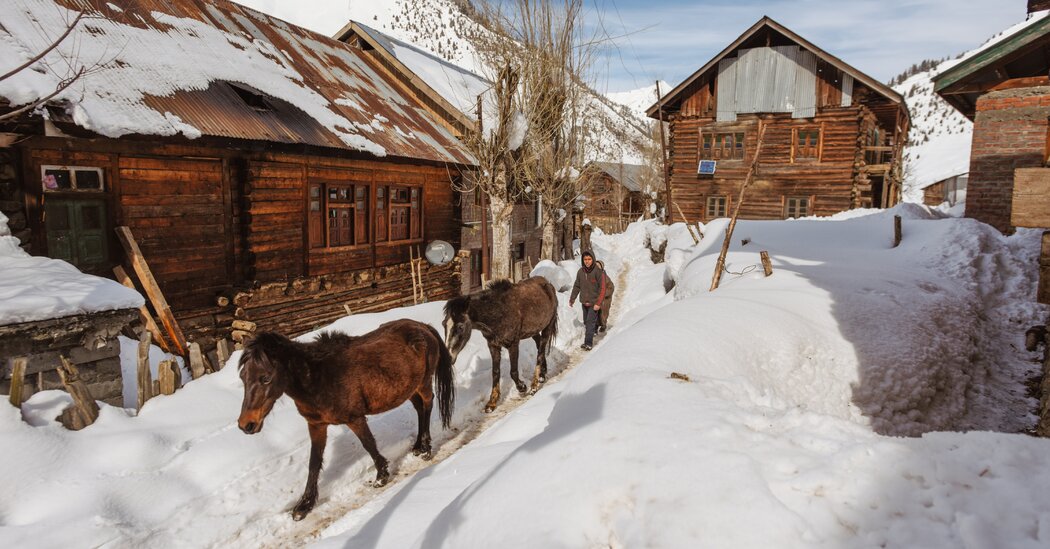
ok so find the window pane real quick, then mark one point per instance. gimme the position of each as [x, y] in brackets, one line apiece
[88, 180]
[57, 180]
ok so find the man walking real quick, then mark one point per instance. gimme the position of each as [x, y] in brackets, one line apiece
[590, 287]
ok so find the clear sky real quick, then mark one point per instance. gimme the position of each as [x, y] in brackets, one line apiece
[669, 39]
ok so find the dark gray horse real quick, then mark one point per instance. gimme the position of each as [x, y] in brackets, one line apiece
[505, 314]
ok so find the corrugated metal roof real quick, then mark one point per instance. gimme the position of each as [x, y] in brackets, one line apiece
[357, 108]
[629, 175]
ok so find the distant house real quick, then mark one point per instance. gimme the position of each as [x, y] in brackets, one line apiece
[272, 176]
[616, 195]
[834, 136]
[1003, 87]
[451, 93]
[951, 191]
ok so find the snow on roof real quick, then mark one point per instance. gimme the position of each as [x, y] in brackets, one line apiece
[459, 86]
[628, 175]
[166, 69]
[39, 288]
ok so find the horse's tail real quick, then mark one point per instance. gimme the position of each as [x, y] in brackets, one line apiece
[552, 326]
[444, 376]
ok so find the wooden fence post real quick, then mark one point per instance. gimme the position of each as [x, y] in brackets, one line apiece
[720, 264]
[144, 378]
[168, 377]
[196, 361]
[767, 265]
[18, 380]
[222, 352]
[897, 232]
[84, 411]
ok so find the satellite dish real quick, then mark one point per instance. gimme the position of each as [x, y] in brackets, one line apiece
[440, 252]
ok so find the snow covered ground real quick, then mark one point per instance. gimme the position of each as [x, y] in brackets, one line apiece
[784, 428]
[39, 288]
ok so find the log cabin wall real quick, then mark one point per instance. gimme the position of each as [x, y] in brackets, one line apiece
[790, 182]
[219, 221]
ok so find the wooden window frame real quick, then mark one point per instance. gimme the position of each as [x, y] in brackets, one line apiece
[787, 207]
[796, 150]
[707, 206]
[73, 179]
[737, 138]
[389, 209]
[351, 204]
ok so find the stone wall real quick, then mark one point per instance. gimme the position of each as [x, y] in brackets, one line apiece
[1010, 132]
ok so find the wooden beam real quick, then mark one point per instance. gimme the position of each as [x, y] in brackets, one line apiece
[147, 318]
[222, 352]
[149, 284]
[196, 361]
[168, 377]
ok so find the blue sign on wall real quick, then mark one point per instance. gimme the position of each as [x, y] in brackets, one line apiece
[707, 167]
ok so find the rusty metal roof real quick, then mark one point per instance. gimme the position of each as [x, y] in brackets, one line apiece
[329, 94]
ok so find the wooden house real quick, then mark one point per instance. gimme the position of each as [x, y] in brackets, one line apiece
[833, 136]
[450, 93]
[1005, 90]
[274, 178]
[615, 196]
[951, 191]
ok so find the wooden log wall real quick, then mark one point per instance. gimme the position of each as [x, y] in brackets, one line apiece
[828, 183]
[213, 221]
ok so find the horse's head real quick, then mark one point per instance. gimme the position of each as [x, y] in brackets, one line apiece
[263, 369]
[457, 325]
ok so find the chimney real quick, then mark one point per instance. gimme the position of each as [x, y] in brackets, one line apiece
[1038, 5]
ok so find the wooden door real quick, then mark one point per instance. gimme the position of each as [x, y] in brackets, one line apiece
[76, 232]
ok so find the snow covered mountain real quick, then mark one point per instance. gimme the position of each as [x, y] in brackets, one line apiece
[940, 138]
[445, 27]
[640, 99]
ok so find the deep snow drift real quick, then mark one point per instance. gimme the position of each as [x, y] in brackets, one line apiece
[780, 435]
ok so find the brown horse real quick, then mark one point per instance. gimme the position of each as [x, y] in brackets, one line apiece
[506, 313]
[339, 379]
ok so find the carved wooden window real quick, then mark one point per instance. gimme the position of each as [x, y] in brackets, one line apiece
[722, 146]
[796, 207]
[806, 144]
[717, 206]
[399, 213]
[337, 215]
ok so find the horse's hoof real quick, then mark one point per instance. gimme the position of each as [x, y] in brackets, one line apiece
[426, 456]
[523, 389]
[490, 408]
[300, 511]
[380, 481]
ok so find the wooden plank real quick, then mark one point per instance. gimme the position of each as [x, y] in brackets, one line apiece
[196, 361]
[767, 265]
[897, 231]
[144, 378]
[85, 409]
[18, 381]
[149, 284]
[168, 377]
[222, 352]
[1043, 292]
[1031, 198]
[147, 319]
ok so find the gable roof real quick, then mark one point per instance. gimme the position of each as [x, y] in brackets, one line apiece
[767, 22]
[628, 175]
[991, 63]
[215, 68]
[452, 88]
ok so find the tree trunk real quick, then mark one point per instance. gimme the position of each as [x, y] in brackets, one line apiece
[501, 218]
[547, 251]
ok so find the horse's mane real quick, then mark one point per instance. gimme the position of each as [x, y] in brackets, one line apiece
[459, 306]
[278, 348]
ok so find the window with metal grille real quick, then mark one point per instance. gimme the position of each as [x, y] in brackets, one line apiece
[796, 207]
[722, 146]
[716, 206]
[807, 144]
